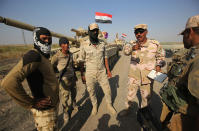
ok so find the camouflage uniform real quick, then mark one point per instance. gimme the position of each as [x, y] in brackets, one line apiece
[95, 69]
[142, 62]
[45, 120]
[67, 85]
[185, 103]
[42, 82]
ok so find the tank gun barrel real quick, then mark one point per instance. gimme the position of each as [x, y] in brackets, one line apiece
[82, 33]
[29, 27]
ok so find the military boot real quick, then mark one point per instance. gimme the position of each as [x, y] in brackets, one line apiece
[111, 109]
[94, 110]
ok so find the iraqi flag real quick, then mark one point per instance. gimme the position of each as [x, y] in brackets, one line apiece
[103, 17]
[124, 35]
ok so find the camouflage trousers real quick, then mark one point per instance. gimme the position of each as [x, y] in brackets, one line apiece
[68, 93]
[178, 121]
[45, 120]
[92, 78]
[140, 94]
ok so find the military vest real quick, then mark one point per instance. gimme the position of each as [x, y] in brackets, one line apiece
[175, 93]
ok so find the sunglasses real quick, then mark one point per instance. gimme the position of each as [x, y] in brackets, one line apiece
[139, 31]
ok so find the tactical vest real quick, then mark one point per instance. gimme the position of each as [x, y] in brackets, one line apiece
[175, 93]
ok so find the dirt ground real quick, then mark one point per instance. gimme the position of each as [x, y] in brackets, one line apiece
[15, 118]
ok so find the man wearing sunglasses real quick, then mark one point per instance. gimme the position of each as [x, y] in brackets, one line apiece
[180, 97]
[146, 55]
[35, 67]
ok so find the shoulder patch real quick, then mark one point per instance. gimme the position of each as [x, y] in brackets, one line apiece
[31, 56]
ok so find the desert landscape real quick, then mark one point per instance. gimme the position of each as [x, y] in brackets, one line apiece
[15, 118]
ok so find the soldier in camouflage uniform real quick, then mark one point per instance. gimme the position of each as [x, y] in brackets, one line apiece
[67, 83]
[146, 55]
[36, 68]
[181, 94]
[93, 52]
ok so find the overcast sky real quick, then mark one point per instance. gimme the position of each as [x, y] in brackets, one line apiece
[165, 18]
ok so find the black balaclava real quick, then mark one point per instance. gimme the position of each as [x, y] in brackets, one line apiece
[43, 47]
[93, 37]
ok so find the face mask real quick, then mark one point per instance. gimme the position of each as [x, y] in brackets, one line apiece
[93, 35]
[42, 46]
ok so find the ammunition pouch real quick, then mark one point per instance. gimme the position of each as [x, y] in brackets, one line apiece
[174, 98]
[175, 70]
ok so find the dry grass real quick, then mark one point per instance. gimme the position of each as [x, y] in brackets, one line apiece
[15, 51]
[171, 43]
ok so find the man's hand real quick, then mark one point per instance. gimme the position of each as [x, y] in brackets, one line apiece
[136, 47]
[43, 103]
[158, 68]
[109, 74]
[83, 79]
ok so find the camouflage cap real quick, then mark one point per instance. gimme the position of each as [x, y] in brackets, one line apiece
[191, 22]
[93, 26]
[141, 26]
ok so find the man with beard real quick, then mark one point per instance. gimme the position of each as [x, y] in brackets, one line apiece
[37, 70]
[93, 53]
[180, 110]
[146, 55]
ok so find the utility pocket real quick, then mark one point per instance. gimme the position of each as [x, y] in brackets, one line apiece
[89, 54]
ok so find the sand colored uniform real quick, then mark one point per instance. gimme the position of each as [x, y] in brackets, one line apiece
[67, 85]
[142, 62]
[42, 82]
[95, 69]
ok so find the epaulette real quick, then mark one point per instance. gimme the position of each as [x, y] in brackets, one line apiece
[154, 41]
[31, 56]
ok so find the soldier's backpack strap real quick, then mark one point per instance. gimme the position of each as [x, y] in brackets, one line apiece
[65, 68]
[75, 76]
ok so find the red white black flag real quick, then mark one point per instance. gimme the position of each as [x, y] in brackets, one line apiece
[103, 17]
[124, 35]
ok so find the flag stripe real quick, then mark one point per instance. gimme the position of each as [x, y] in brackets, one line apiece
[103, 14]
[103, 21]
[102, 17]
[124, 35]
